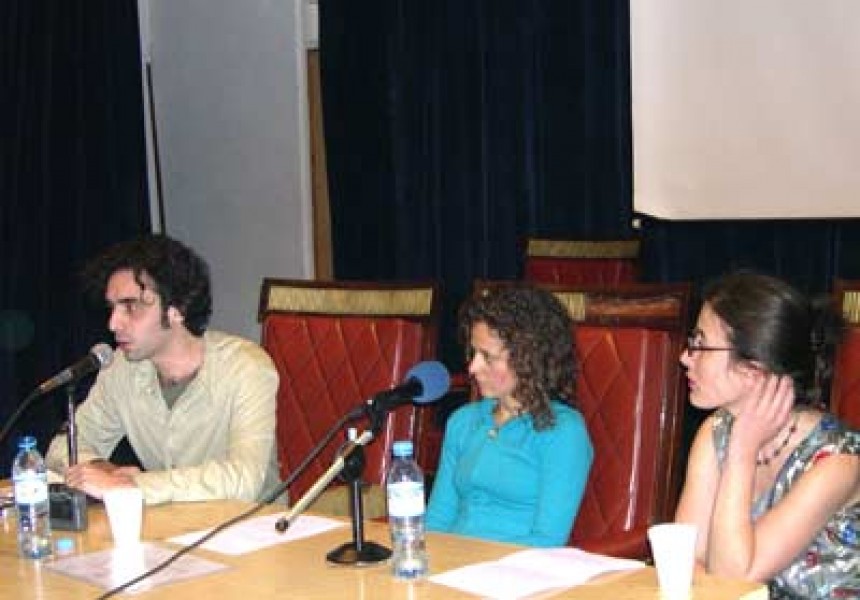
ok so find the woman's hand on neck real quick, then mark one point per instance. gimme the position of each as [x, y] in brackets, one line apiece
[763, 417]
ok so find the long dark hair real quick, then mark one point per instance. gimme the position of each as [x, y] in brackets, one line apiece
[773, 324]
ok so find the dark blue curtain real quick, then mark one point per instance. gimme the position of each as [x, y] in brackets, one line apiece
[72, 181]
[809, 253]
[456, 128]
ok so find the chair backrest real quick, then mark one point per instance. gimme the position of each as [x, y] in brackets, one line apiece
[335, 344]
[630, 390]
[845, 386]
[604, 262]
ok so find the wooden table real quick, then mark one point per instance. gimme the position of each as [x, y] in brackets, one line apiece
[298, 569]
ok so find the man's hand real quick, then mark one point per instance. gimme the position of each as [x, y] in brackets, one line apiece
[95, 477]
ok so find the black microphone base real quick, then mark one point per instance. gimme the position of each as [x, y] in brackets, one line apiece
[348, 555]
[68, 508]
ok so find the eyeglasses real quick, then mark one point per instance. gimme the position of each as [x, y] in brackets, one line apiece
[694, 344]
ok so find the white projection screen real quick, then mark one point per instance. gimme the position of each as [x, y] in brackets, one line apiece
[746, 109]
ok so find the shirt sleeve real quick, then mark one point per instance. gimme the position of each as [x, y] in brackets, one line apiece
[566, 457]
[241, 473]
[444, 499]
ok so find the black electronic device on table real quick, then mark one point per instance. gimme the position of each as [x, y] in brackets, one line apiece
[68, 508]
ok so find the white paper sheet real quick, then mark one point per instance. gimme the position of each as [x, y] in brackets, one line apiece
[532, 571]
[259, 532]
[111, 568]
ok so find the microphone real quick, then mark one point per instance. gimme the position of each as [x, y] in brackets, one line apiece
[424, 383]
[100, 356]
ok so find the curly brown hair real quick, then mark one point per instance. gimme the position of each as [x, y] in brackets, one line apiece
[536, 330]
[180, 275]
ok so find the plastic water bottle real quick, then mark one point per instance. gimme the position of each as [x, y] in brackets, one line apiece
[30, 480]
[405, 490]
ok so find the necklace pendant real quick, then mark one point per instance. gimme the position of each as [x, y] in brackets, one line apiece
[765, 461]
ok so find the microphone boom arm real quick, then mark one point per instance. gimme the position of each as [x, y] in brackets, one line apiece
[326, 478]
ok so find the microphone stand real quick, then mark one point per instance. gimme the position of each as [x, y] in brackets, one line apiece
[350, 461]
[72, 427]
[68, 506]
[358, 552]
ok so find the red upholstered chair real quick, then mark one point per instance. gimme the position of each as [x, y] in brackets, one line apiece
[631, 393]
[631, 390]
[604, 262]
[335, 344]
[845, 388]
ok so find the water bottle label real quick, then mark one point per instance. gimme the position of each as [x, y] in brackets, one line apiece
[410, 568]
[406, 499]
[30, 490]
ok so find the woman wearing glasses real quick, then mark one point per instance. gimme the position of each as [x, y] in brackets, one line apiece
[514, 463]
[773, 482]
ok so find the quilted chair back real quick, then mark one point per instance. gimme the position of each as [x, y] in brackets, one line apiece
[336, 344]
[629, 388]
[574, 262]
[845, 389]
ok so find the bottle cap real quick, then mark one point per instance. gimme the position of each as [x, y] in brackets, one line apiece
[26, 442]
[65, 545]
[402, 448]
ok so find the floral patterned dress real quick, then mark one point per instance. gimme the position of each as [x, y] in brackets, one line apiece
[830, 566]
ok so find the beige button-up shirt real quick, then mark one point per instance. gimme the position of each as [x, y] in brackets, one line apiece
[218, 440]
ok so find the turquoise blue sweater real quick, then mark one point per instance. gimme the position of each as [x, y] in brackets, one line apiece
[511, 484]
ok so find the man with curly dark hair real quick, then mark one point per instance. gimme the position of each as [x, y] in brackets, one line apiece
[197, 406]
[514, 463]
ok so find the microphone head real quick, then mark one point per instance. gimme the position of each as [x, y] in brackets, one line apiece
[103, 354]
[434, 380]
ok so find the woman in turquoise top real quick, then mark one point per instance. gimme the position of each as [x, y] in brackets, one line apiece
[773, 482]
[514, 464]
